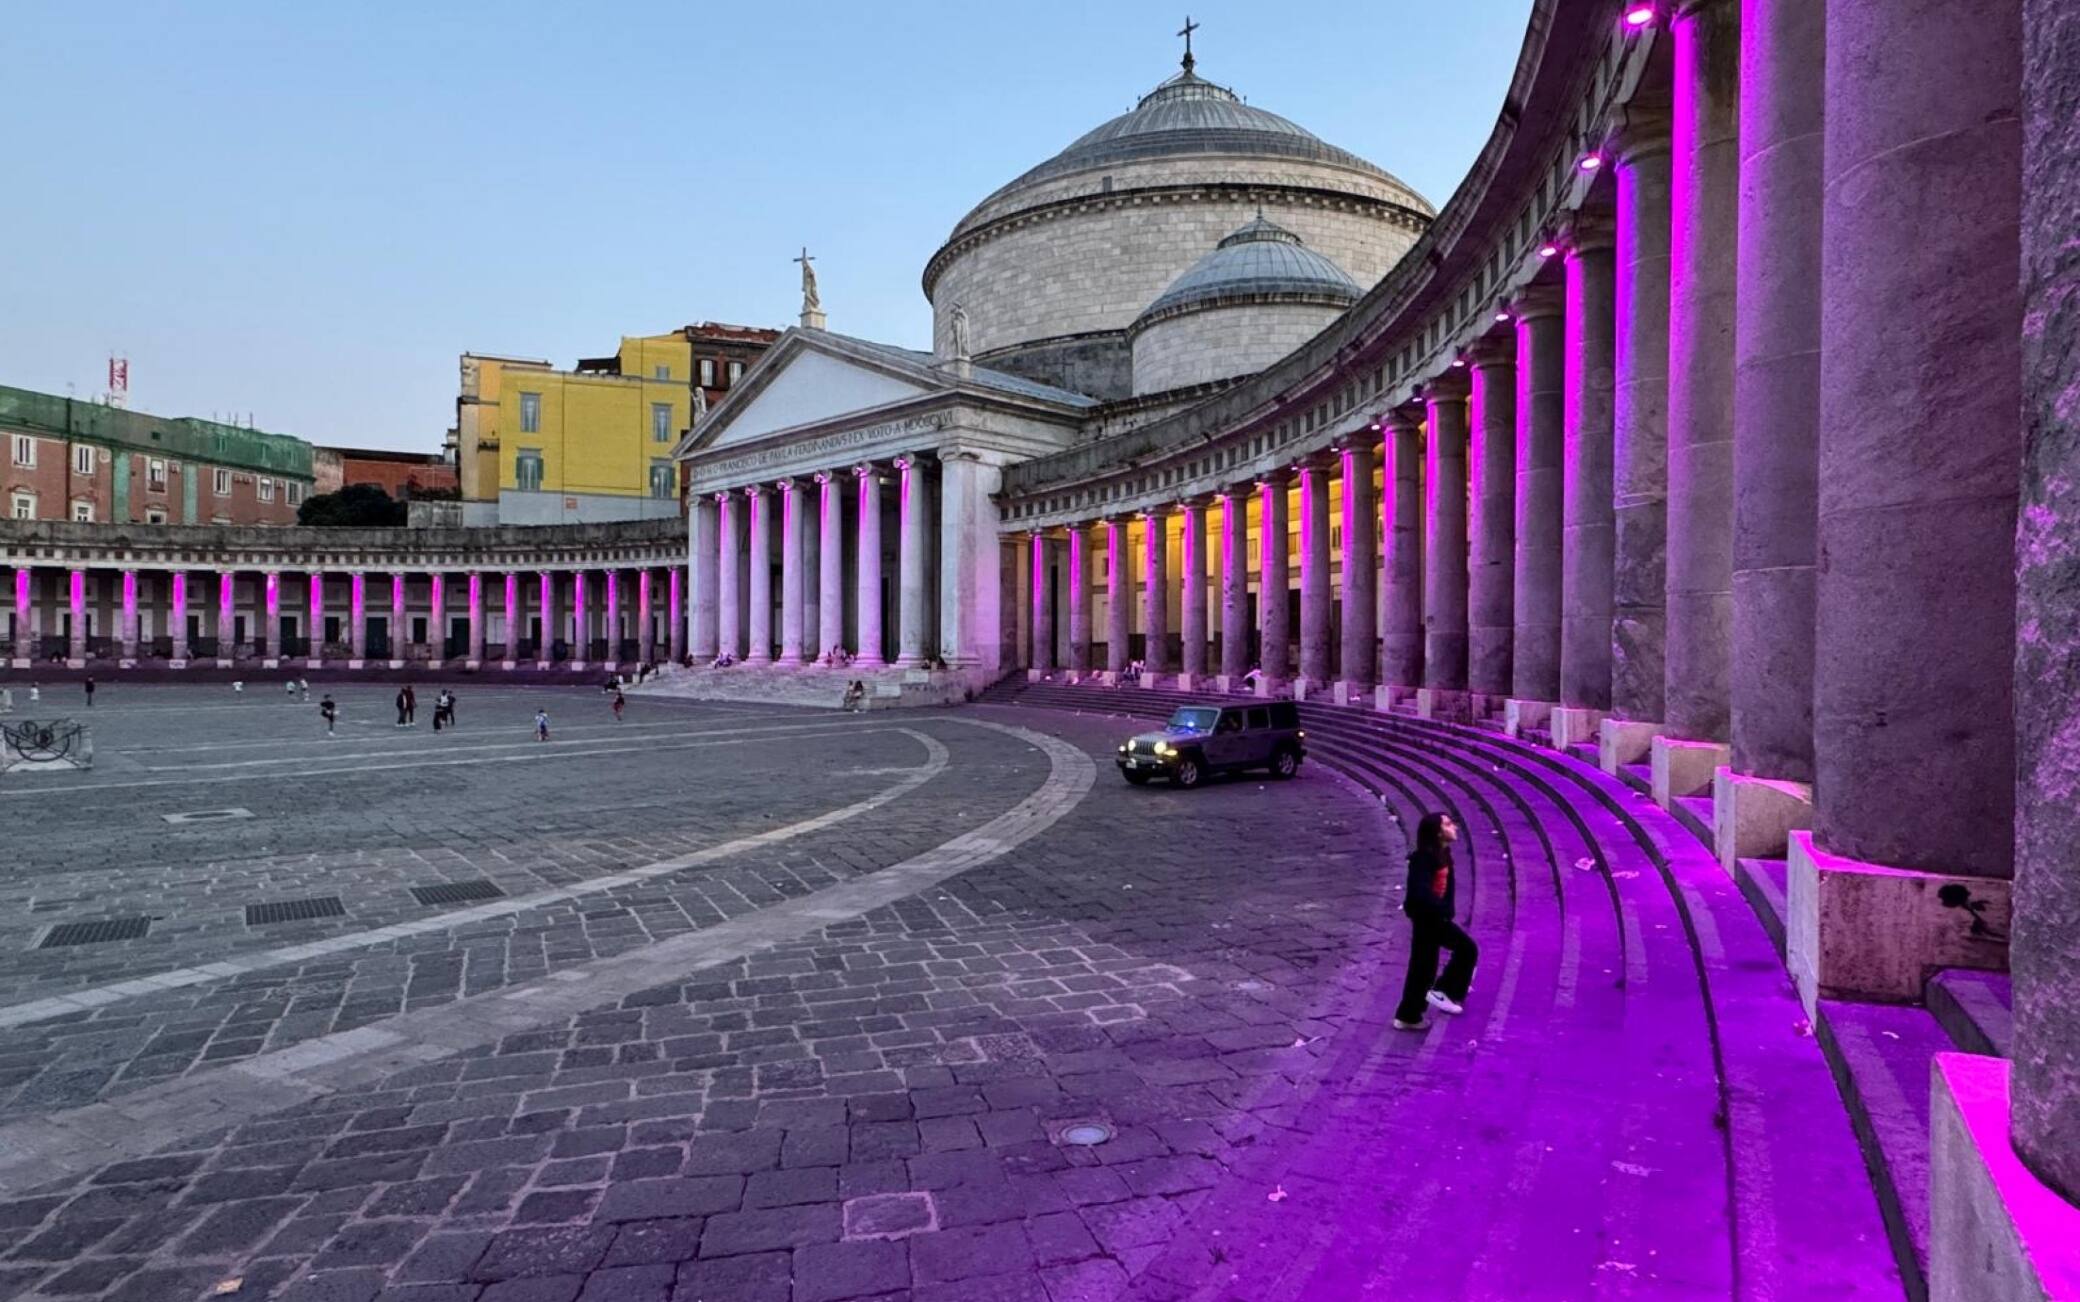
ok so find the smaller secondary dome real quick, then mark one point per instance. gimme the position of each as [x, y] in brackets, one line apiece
[1261, 259]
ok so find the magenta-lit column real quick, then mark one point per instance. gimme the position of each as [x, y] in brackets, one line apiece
[729, 576]
[1541, 414]
[357, 619]
[127, 634]
[580, 620]
[24, 640]
[227, 616]
[675, 619]
[1360, 655]
[758, 588]
[512, 615]
[1235, 629]
[793, 580]
[398, 632]
[476, 618]
[912, 610]
[436, 629]
[1639, 424]
[1192, 583]
[545, 653]
[1155, 593]
[271, 614]
[1316, 614]
[612, 633]
[703, 573]
[867, 569]
[77, 603]
[1119, 597]
[1079, 598]
[830, 569]
[1043, 608]
[646, 618]
[1274, 586]
[1587, 530]
[316, 654]
[1401, 514]
[1444, 536]
[179, 581]
[1491, 470]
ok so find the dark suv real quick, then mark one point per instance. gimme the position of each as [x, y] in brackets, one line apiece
[1205, 739]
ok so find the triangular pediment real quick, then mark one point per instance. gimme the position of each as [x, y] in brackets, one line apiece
[807, 386]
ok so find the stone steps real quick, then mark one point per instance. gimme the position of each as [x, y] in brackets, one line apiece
[1976, 1009]
[1671, 1019]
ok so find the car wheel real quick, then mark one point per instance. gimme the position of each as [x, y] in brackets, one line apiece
[1187, 773]
[1285, 764]
[1137, 779]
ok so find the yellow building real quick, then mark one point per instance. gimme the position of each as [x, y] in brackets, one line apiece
[535, 445]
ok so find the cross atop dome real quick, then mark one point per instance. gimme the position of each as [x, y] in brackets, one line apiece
[1189, 28]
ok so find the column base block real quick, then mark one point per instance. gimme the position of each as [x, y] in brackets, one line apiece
[270, 662]
[1268, 687]
[1155, 681]
[1624, 741]
[472, 665]
[222, 663]
[1035, 675]
[397, 664]
[1485, 705]
[1191, 682]
[509, 664]
[76, 662]
[1996, 1233]
[1684, 768]
[314, 663]
[574, 665]
[1352, 693]
[18, 663]
[1856, 930]
[127, 662]
[613, 666]
[1303, 688]
[1387, 696]
[1448, 704]
[1753, 818]
[1574, 725]
[178, 662]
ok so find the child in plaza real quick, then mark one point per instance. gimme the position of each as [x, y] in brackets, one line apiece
[541, 725]
[620, 702]
[90, 691]
[400, 709]
[1429, 906]
[330, 713]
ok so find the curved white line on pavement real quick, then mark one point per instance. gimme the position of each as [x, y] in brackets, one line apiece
[935, 763]
[71, 1144]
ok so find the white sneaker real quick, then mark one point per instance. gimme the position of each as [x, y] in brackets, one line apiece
[1420, 1024]
[1444, 1003]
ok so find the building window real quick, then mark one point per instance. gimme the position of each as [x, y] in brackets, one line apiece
[220, 482]
[527, 470]
[153, 515]
[530, 413]
[22, 506]
[660, 422]
[736, 372]
[83, 511]
[266, 489]
[661, 484]
[707, 372]
[295, 492]
[24, 450]
[82, 459]
[155, 474]
[664, 372]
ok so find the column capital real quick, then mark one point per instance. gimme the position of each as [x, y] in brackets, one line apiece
[751, 491]
[1159, 511]
[867, 470]
[787, 483]
[1497, 348]
[1324, 459]
[1446, 388]
[1589, 230]
[1276, 477]
[824, 476]
[1535, 301]
[1401, 420]
[907, 460]
[957, 453]
[1199, 501]
[1636, 135]
[722, 495]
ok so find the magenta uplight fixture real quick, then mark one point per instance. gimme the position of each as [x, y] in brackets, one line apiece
[1638, 16]
[1502, 316]
[1459, 363]
[1548, 250]
[1589, 162]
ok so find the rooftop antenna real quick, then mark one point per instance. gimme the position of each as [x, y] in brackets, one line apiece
[1189, 28]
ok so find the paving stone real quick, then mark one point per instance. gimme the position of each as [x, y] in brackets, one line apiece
[762, 1277]
[735, 1233]
[666, 1239]
[547, 1250]
[827, 1272]
[642, 1200]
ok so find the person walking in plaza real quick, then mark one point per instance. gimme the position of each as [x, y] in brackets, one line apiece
[1429, 904]
[330, 712]
[411, 707]
[400, 708]
[620, 702]
[541, 725]
[90, 691]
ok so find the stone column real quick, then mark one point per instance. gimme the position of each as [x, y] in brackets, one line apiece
[1541, 506]
[397, 628]
[1119, 597]
[580, 618]
[971, 561]
[1401, 640]
[512, 614]
[867, 596]
[911, 540]
[270, 638]
[1275, 571]
[758, 587]
[1491, 468]
[437, 606]
[1587, 531]
[1155, 594]
[1079, 599]
[545, 654]
[126, 630]
[1234, 587]
[729, 576]
[675, 614]
[1360, 651]
[76, 604]
[646, 617]
[1776, 389]
[611, 633]
[1444, 548]
[1316, 611]
[793, 589]
[1043, 609]
[1920, 383]
[476, 617]
[830, 574]
[704, 575]
[1191, 609]
[2046, 1086]
[179, 581]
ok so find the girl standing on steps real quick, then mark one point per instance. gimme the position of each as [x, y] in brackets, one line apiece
[1429, 906]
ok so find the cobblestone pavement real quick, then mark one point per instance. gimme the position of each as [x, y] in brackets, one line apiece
[869, 1106]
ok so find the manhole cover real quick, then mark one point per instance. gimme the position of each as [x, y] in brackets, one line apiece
[207, 815]
[457, 892]
[1085, 1134]
[324, 906]
[99, 931]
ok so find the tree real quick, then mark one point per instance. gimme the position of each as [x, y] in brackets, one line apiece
[355, 506]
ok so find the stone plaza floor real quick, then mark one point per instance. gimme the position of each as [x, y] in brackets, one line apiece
[737, 1003]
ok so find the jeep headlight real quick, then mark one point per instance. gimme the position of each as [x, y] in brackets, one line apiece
[1164, 748]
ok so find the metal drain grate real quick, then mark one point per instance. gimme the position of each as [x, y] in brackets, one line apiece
[324, 906]
[457, 892]
[207, 815]
[99, 931]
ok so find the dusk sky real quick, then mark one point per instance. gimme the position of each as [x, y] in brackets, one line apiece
[306, 212]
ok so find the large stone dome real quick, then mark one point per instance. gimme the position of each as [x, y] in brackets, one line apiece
[1054, 266]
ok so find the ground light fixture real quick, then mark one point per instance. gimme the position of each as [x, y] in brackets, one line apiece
[1638, 16]
[1548, 250]
[1590, 162]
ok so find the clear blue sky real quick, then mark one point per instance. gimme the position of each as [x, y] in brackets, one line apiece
[307, 211]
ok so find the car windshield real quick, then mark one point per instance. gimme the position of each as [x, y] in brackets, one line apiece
[1196, 718]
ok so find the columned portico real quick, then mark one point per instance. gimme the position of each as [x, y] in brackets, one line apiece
[1041, 575]
[1317, 611]
[830, 573]
[1541, 415]
[1119, 598]
[758, 595]
[1079, 585]
[792, 576]
[1155, 595]
[179, 598]
[1444, 551]
[476, 617]
[868, 600]
[1191, 665]
[1401, 640]
[704, 572]
[913, 505]
[1492, 474]
[357, 613]
[1586, 528]
[1235, 626]
[1275, 658]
